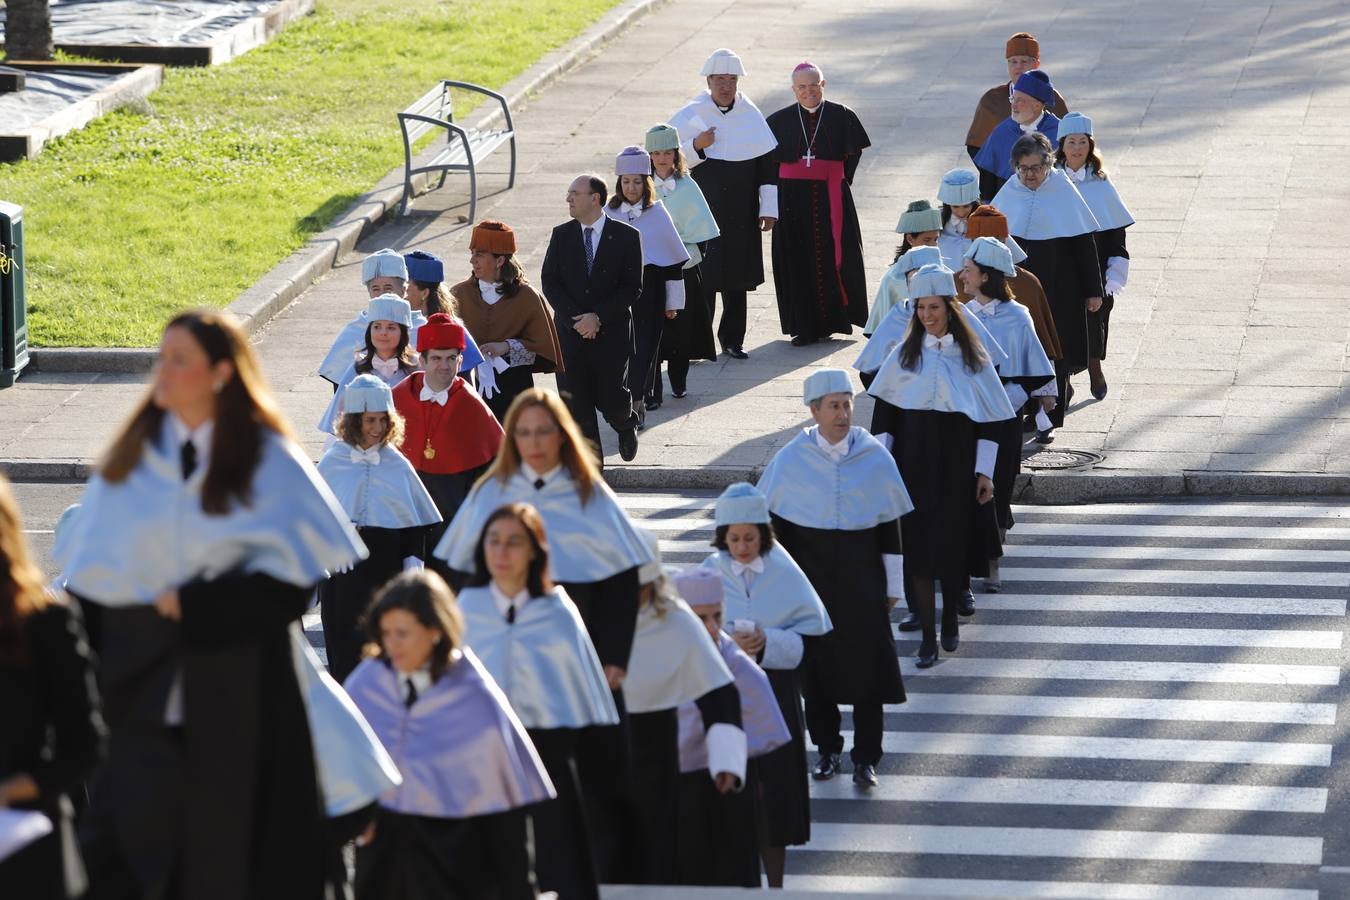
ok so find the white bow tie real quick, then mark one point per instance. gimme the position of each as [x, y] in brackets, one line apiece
[387, 368]
[371, 456]
[666, 185]
[441, 397]
[489, 291]
[1077, 177]
[958, 225]
[629, 210]
[941, 343]
[985, 309]
[755, 565]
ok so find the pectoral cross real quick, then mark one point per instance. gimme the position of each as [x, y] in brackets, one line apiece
[808, 157]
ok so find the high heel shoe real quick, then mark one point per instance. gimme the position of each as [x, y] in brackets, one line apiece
[951, 639]
[928, 653]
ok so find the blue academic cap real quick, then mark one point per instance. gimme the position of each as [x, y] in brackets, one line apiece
[367, 393]
[424, 266]
[741, 503]
[1074, 123]
[825, 381]
[1036, 83]
[959, 187]
[989, 251]
[915, 257]
[932, 280]
[389, 308]
[383, 263]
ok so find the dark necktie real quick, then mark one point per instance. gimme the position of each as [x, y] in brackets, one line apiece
[411, 696]
[511, 614]
[187, 458]
[590, 250]
[539, 484]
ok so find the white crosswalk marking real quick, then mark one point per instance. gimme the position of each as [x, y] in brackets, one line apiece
[1147, 713]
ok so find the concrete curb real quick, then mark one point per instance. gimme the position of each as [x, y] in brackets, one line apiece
[296, 273]
[1038, 489]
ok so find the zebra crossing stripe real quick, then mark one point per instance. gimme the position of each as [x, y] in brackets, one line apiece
[1259, 753]
[834, 885]
[1212, 532]
[1074, 792]
[1127, 670]
[1043, 706]
[1160, 637]
[1190, 554]
[1015, 573]
[1197, 510]
[1139, 603]
[974, 840]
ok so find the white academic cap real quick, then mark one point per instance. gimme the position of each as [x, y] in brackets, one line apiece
[959, 187]
[367, 393]
[390, 308]
[825, 381]
[915, 257]
[387, 263]
[723, 62]
[741, 503]
[990, 251]
[933, 280]
[1074, 123]
[649, 572]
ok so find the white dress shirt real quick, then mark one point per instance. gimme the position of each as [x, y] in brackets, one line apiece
[837, 451]
[201, 440]
[1034, 126]
[533, 476]
[596, 227]
[504, 603]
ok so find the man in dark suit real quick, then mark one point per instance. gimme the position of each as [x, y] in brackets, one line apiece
[592, 277]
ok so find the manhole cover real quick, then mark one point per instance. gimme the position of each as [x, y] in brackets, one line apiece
[1061, 459]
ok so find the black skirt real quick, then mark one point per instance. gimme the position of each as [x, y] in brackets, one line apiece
[781, 790]
[510, 385]
[656, 770]
[690, 334]
[716, 841]
[1007, 467]
[561, 836]
[345, 597]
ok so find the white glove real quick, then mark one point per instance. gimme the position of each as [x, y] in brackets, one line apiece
[487, 376]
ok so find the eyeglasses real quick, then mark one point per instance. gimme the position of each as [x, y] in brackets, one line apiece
[522, 434]
[1032, 170]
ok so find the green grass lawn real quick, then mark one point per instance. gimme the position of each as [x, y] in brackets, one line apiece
[232, 168]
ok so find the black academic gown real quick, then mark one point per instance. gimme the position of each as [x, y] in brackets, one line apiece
[345, 597]
[649, 325]
[783, 797]
[1110, 242]
[53, 732]
[816, 298]
[855, 662]
[1068, 270]
[228, 805]
[734, 261]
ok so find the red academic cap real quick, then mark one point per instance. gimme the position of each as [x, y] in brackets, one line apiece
[441, 332]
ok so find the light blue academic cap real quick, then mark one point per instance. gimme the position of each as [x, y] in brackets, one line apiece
[918, 217]
[916, 257]
[367, 393]
[388, 308]
[741, 503]
[932, 280]
[1074, 123]
[959, 187]
[991, 252]
[387, 263]
[825, 381]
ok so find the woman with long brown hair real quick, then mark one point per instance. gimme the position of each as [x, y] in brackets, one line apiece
[939, 405]
[595, 552]
[52, 733]
[530, 637]
[199, 540]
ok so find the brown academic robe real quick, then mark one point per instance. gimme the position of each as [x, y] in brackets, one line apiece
[993, 108]
[1027, 290]
[526, 317]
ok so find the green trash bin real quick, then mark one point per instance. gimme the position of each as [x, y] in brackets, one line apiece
[13, 302]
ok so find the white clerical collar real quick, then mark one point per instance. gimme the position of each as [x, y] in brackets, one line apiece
[504, 603]
[421, 679]
[1034, 126]
[836, 451]
[1077, 176]
[812, 110]
[200, 437]
[528, 471]
[489, 291]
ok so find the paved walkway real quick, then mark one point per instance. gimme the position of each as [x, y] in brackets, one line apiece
[1222, 126]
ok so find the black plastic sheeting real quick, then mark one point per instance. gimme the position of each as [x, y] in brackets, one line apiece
[49, 92]
[158, 22]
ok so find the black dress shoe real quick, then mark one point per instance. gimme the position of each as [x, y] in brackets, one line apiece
[737, 353]
[628, 444]
[965, 604]
[910, 623]
[1045, 437]
[802, 340]
[1068, 395]
[680, 394]
[652, 403]
[1099, 389]
[827, 767]
[865, 776]
[951, 640]
[927, 655]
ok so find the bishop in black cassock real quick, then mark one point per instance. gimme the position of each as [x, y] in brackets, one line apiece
[817, 244]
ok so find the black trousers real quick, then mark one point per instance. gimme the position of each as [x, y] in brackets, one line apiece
[823, 720]
[731, 329]
[677, 369]
[596, 378]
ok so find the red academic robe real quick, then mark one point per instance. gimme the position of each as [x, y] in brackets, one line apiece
[463, 434]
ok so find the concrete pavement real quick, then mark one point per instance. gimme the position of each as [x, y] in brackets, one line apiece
[1220, 125]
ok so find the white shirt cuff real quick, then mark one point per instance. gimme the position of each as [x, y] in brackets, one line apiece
[782, 649]
[768, 200]
[986, 454]
[675, 294]
[1117, 273]
[726, 750]
[1017, 395]
[895, 574]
